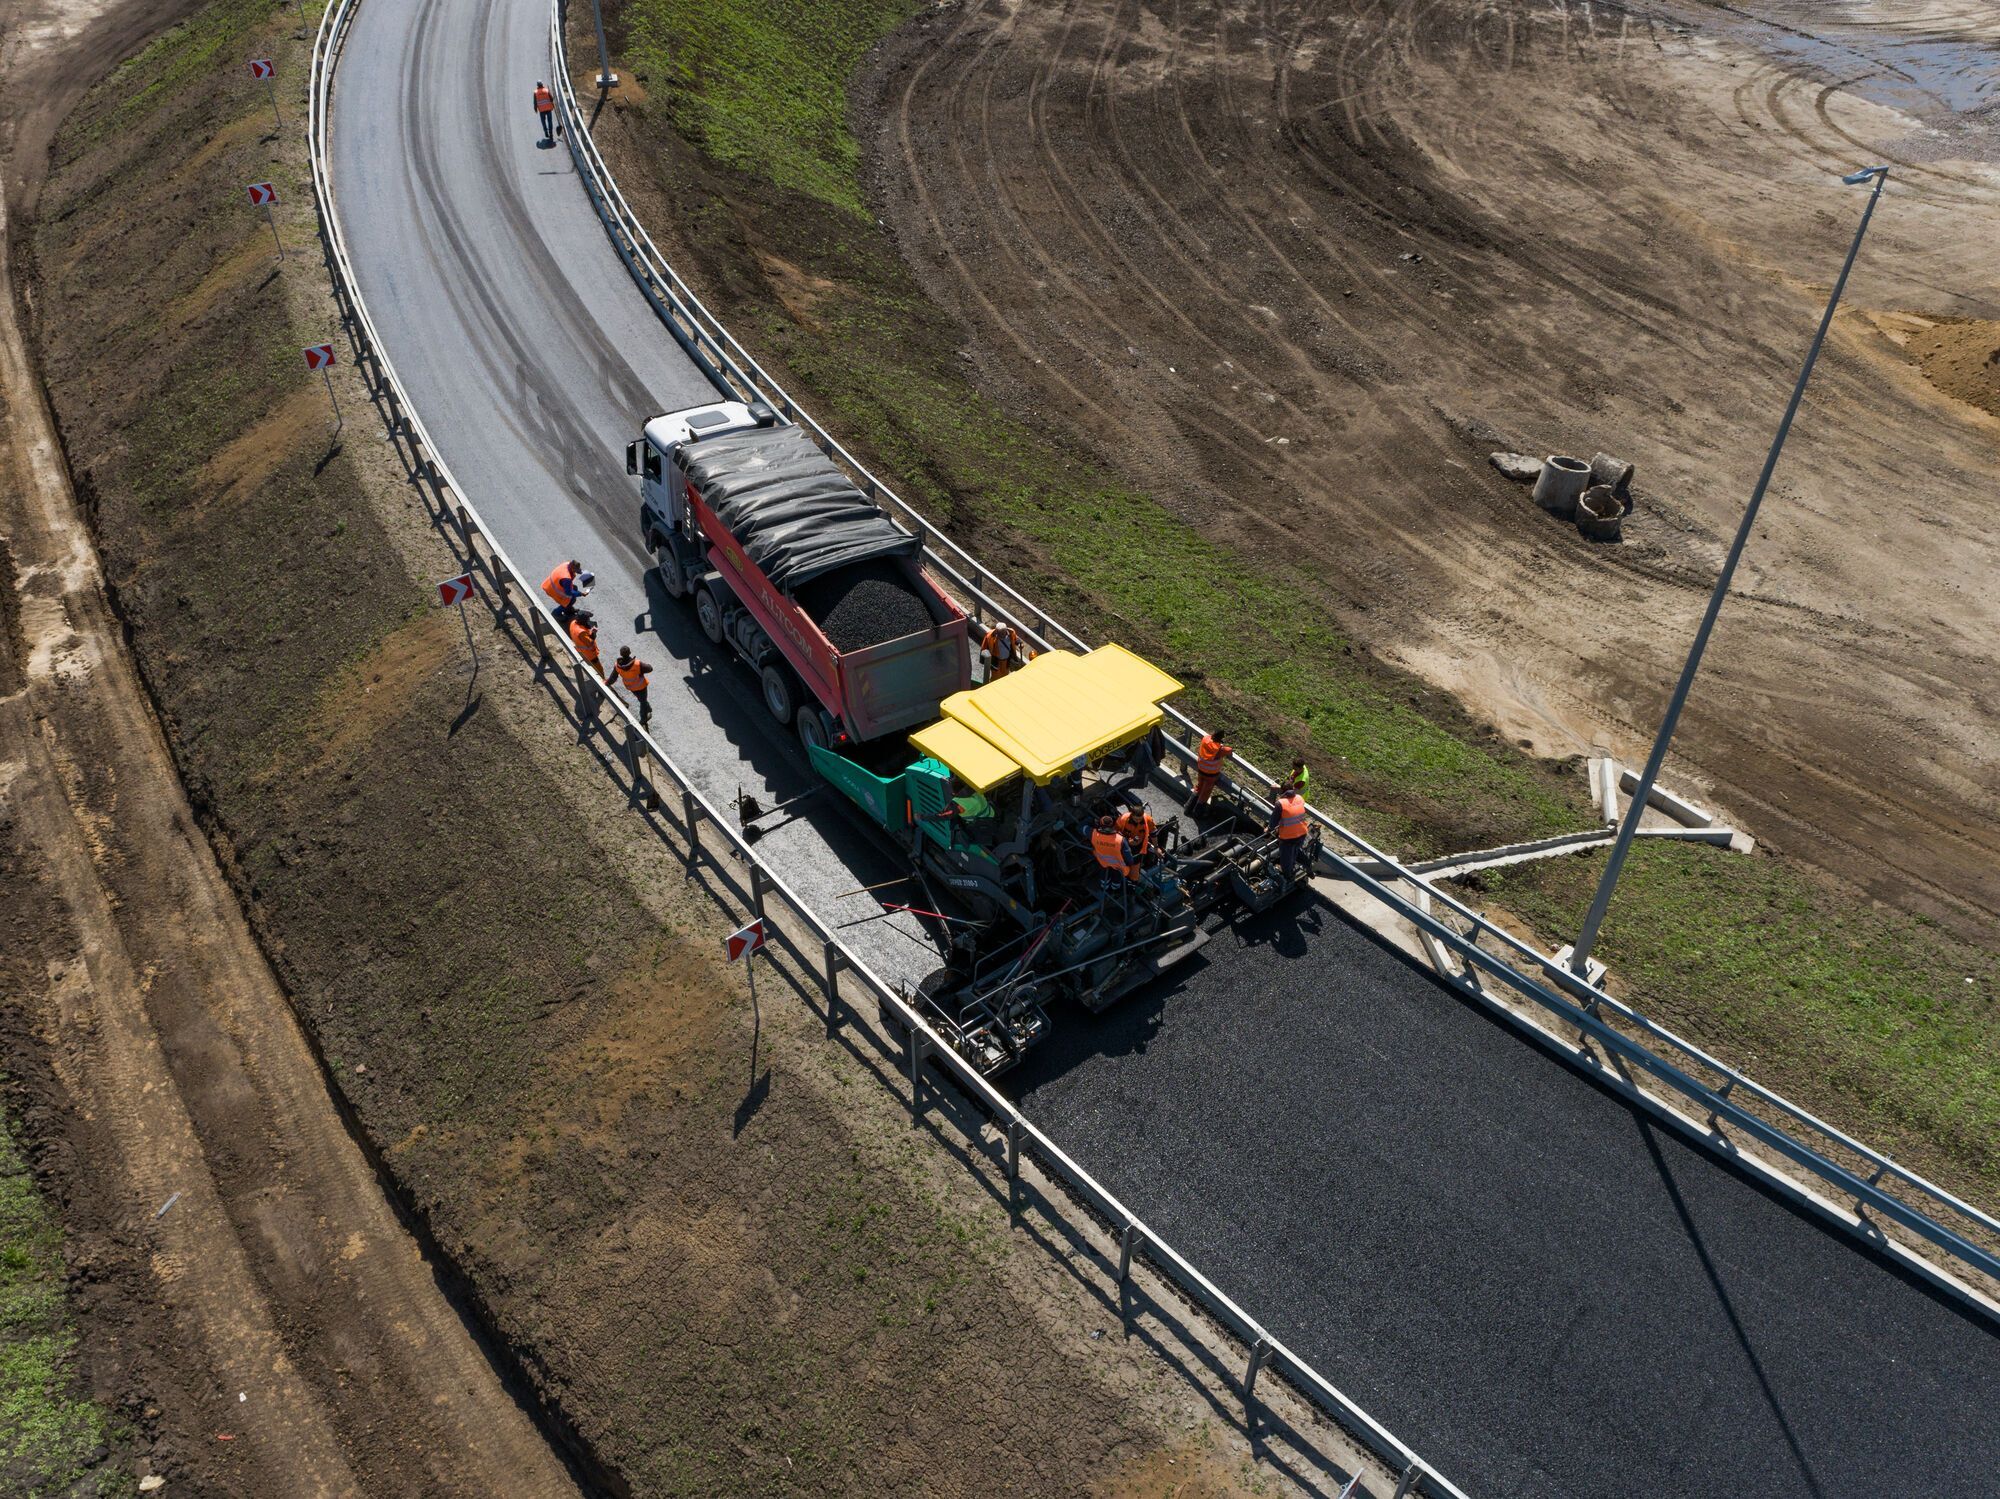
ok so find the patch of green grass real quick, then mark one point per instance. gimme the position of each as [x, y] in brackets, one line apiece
[1882, 1014]
[763, 86]
[49, 1434]
[170, 66]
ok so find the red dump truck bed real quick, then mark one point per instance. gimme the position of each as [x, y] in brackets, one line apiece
[836, 586]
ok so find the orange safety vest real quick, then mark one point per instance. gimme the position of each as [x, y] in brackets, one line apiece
[585, 637]
[1138, 826]
[1209, 758]
[632, 674]
[1292, 819]
[1110, 851]
[544, 101]
[552, 585]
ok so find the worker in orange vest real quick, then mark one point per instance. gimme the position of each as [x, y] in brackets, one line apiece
[1208, 758]
[1290, 823]
[566, 587]
[583, 632]
[1114, 854]
[1135, 824]
[1004, 651]
[632, 675]
[545, 106]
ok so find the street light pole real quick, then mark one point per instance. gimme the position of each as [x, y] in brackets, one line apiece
[605, 77]
[1642, 793]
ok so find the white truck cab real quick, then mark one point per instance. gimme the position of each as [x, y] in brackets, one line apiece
[663, 516]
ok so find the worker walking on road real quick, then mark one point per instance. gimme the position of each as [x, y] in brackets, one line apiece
[632, 674]
[583, 632]
[1209, 755]
[1290, 823]
[566, 587]
[1004, 651]
[545, 106]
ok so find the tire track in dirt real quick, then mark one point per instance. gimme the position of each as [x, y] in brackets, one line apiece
[1611, 220]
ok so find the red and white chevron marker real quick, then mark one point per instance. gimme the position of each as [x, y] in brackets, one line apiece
[456, 591]
[742, 944]
[320, 357]
[262, 194]
[264, 71]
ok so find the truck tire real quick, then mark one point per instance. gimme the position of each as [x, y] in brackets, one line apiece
[813, 731]
[673, 580]
[781, 692]
[708, 613]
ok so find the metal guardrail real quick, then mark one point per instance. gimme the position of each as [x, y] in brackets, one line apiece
[709, 836]
[1737, 1110]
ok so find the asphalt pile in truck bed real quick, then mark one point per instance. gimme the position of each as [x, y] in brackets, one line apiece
[865, 604]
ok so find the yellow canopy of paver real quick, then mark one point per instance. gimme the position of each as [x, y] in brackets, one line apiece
[1054, 715]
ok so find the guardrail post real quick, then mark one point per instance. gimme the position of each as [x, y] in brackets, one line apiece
[541, 646]
[693, 827]
[586, 705]
[1259, 1351]
[757, 890]
[1128, 1237]
[919, 1043]
[1013, 1173]
[832, 981]
[1409, 1483]
[635, 757]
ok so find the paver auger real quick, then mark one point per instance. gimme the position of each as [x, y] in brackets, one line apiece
[792, 568]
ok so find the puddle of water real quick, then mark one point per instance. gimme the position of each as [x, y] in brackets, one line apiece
[1939, 69]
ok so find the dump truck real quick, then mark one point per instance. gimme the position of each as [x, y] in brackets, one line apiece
[993, 797]
[793, 569]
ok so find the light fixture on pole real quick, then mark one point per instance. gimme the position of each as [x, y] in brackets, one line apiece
[1579, 956]
[606, 79]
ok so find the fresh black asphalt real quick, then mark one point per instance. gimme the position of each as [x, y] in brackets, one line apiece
[1540, 1291]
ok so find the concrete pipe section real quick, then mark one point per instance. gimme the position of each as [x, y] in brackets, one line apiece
[1542, 1292]
[1600, 514]
[1560, 484]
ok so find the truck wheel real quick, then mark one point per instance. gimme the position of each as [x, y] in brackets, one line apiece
[673, 581]
[708, 614]
[779, 694]
[812, 729]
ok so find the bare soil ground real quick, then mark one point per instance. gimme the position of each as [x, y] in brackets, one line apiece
[1298, 267]
[515, 993]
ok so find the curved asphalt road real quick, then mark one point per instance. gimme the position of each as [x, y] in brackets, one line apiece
[1542, 1293]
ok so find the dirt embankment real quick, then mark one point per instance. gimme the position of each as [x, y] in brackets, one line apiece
[517, 996]
[1302, 266]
